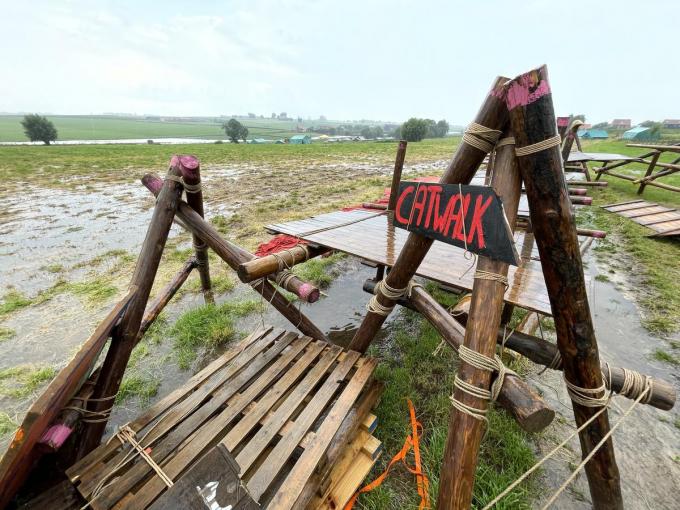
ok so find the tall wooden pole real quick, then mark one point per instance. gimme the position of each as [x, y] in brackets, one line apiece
[465, 430]
[493, 115]
[533, 120]
[396, 176]
[125, 338]
[191, 173]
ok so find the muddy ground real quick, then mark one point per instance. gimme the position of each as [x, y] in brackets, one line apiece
[77, 232]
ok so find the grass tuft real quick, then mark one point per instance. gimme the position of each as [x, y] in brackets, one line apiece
[661, 355]
[7, 424]
[21, 381]
[6, 334]
[319, 271]
[138, 385]
[13, 300]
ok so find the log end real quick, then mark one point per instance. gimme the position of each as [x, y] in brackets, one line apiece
[153, 183]
[538, 420]
[56, 436]
[189, 165]
[578, 191]
[402, 144]
[527, 88]
[309, 293]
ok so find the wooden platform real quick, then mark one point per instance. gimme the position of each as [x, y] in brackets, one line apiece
[664, 221]
[280, 403]
[371, 236]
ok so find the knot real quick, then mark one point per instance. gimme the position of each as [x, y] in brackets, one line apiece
[481, 137]
[412, 284]
[126, 434]
[548, 143]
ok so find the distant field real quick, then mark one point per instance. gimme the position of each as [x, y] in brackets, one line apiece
[116, 128]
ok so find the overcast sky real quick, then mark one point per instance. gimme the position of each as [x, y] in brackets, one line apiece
[382, 60]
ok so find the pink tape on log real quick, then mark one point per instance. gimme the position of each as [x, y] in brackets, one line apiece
[153, 183]
[527, 88]
[56, 436]
[189, 165]
[308, 293]
[599, 234]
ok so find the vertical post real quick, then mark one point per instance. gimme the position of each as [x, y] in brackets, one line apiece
[650, 169]
[466, 430]
[396, 176]
[126, 334]
[191, 173]
[569, 140]
[533, 121]
[493, 118]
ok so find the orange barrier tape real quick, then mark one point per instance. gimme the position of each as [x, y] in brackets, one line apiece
[412, 441]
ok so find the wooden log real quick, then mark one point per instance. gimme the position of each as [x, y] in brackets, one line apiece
[21, 452]
[234, 255]
[594, 184]
[466, 430]
[533, 121]
[191, 173]
[656, 147]
[649, 171]
[581, 200]
[568, 141]
[522, 340]
[396, 175]
[145, 272]
[164, 297]
[578, 191]
[270, 264]
[371, 205]
[493, 115]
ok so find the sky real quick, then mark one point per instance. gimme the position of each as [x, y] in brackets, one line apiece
[347, 60]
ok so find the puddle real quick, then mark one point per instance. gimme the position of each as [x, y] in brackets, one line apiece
[647, 444]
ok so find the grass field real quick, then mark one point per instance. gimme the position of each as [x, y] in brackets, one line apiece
[93, 127]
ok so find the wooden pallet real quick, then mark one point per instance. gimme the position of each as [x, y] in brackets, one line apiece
[664, 221]
[277, 401]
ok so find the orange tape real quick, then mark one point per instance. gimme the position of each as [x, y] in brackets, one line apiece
[412, 441]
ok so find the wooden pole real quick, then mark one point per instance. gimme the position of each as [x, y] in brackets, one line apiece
[191, 173]
[568, 142]
[234, 255]
[465, 430]
[396, 176]
[142, 279]
[493, 115]
[270, 264]
[533, 121]
[522, 340]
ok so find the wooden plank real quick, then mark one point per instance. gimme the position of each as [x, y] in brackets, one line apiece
[647, 211]
[630, 207]
[16, 463]
[622, 203]
[213, 429]
[297, 478]
[256, 445]
[167, 402]
[109, 496]
[263, 477]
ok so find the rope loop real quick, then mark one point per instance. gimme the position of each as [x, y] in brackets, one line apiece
[481, 137]
[189, 188]
[548, 143]
[374, 306]
[588, 397]
[283, 278]
[480, 274]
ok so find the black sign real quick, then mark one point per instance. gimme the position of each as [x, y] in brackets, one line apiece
[469, 217]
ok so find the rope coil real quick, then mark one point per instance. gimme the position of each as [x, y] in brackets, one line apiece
[283, 278]
[588, 397]
[481, 137]
[548, 143]
[374, 306]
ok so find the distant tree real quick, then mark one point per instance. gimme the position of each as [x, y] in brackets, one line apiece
[273, 115]
[283, 116]
[414, 130]
[366, 132]
[39, 129]
[648, 123]
[378, 132]
[235, 130]
[322, 118]
[341, 130]
[655, 128]
[601, 125]
[396, 133]
[442, 128]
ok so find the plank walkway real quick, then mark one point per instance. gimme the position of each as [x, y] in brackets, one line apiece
[664, 221]
[275, 401]
[372, 237]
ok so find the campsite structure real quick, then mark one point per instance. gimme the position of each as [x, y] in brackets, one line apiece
[282, 419]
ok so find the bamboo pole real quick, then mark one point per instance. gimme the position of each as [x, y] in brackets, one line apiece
[533, 121]
[125, 336]
[465, 430]
[493, 115]
[396, 175]
[191, 173]
[234, 255]
[522, 340]
[270, 264]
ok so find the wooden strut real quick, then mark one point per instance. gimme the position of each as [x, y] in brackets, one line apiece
[521, 340]
[125, 338]
[191, 173]
[532, 119]
[467, 159]
[465, 430]
[270, 264]
[234, 255]
[396, 175]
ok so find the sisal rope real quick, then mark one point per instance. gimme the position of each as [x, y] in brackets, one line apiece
[481, 137]
[480, 274]
[189, 188]
[374, 306]
[548, 143]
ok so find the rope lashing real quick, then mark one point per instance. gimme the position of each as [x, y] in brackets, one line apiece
[189, 188]
[548, 143]
[481, 362]
[634, 384]
[588, 397]
[89, 416]
[374, 306]
[283, 278]
[481, 137]
[508, 140]
[281, 261]
[126, 434]
[480, 274]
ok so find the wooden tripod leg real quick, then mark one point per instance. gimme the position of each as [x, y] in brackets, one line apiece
[191, 172]
[396, 176]
[533, 120]
[493, 114]
[125, 337]
[465, 430]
